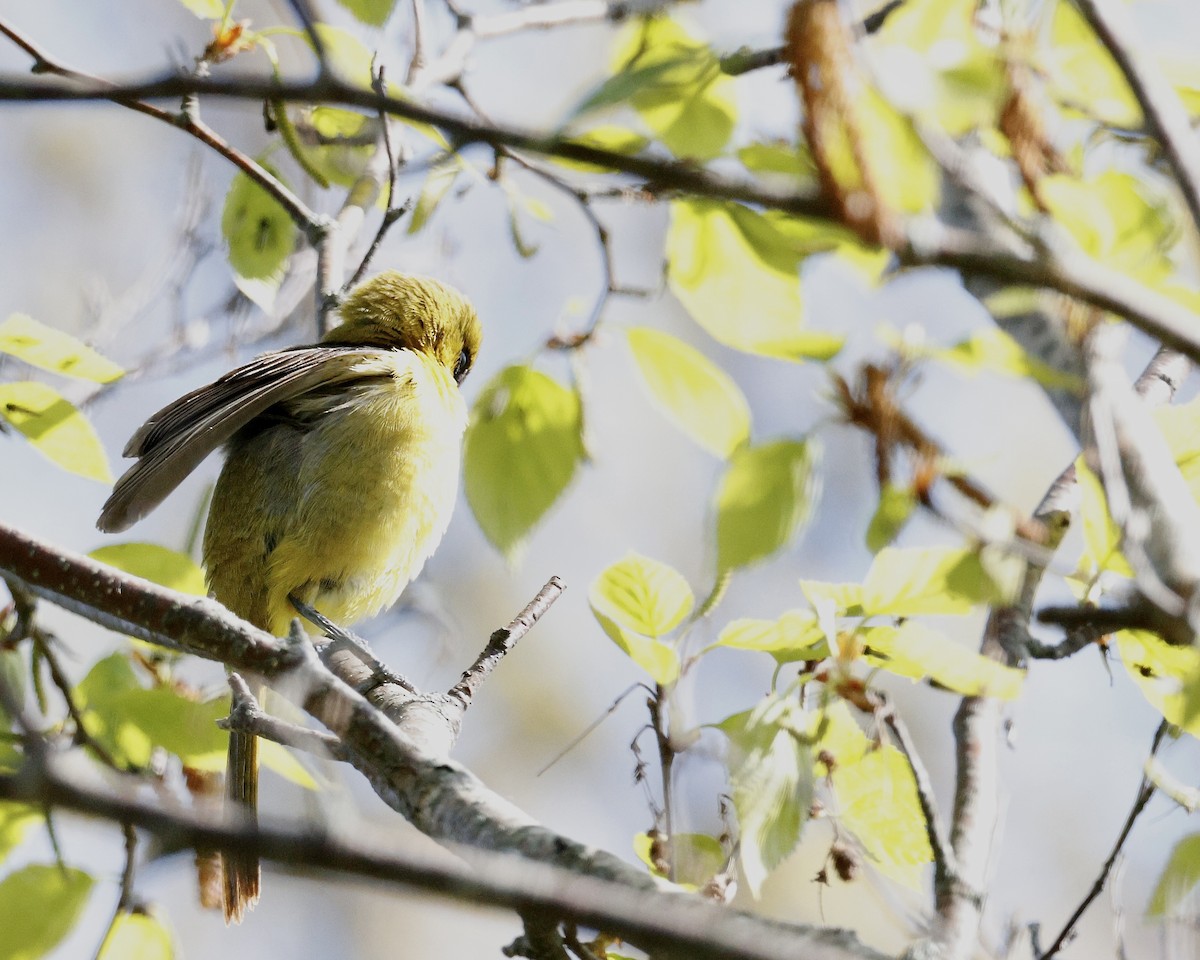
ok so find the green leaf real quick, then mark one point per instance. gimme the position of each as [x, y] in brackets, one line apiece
[437, 184]
[130, 720]
[522, 447]
[39, 905]
[788, 159]
[796, 635]
[927, 580]
[206, 9]
[697, 857]
[1115, 218]
[258, 230]
[1083, 74]
[1178, 878]
[914, 650]
[49, 349]
[347, 142]
[280, 760]
[676, 85]
[374, 13]
[933, 64]
[137, 936]
[56, 428]
[764, 498]
[167, 568]
[736, 272]
[994, 351]
[896, 505]
[1101, 536]
[605, 137]
[643, 595]
[1167, 675]
[658, 659]
[15, 821]
[771, 780]
[697, 395]
[846, 598]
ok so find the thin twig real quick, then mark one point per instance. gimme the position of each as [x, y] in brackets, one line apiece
[1145, 792]
[312, 224]
[502, 641]
[125, 902]
[247, 716]
[944, 867]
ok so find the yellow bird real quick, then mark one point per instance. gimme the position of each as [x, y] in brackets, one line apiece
[341, 474]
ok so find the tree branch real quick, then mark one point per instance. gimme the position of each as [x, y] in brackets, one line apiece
[437, 795]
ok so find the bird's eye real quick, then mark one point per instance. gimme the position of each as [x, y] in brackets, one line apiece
[462, 365]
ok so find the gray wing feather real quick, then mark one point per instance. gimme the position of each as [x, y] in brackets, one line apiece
[173, 442]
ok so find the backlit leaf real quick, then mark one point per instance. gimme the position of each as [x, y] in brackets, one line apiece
[374, 13]
[605, 137]
[1101, 536]
[1083, 74]
[56, 428]
[696, 857]
[764, 498]
[437, 184]
[643, 595]
[137, 936]
[771, 780]
[896, 505]
[258, 230]
[1167, 675]
[796, 635]
[675, 84]
[1178, 878]
[39, 906]
[206, 9]
[927, 580]
[523, 445]
[160, 565]
[15, 821]
[917, 651]
[658, 659]
[698, 396]
[736, 271]
[49, 349]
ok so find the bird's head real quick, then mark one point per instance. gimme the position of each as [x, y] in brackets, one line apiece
[395, 311]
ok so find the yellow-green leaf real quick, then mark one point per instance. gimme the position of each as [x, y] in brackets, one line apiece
[934, 65]
[137, 936]
[696, 857]
[658, 659]
[796, 635]
[736, 271]
[1167, 675]
[160, 565]
[1101, 536]
[788, 159]
[643, 595]
[697, 395]
[896, 505]
[374, 13]
[1178, 878]
[258, 230]
[995, 351]
[56, 428]
[605, 137]
[437, 184]
[916, 651]
[927, 580]
[42, 346]
[1083, 74]
[522, 447]
[764, 498]
[206, 9]
[675, 83]
[846, 598]
[15, 821]
[39, 905]
[771, 780]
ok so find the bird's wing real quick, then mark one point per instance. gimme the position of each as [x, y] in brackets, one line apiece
[172, 442]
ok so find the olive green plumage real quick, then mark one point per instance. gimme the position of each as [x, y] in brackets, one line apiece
[341, 474]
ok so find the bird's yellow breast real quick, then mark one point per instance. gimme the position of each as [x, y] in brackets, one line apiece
[342, 505]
